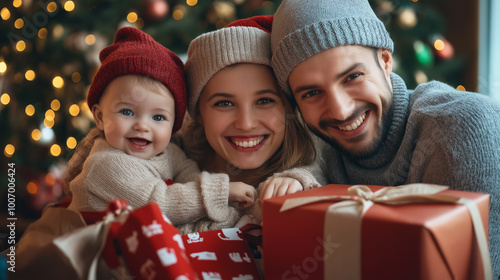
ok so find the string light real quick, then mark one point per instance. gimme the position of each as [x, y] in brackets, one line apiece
[55, 105]
[191, 2]
[420, 77]
[51, 7]
[74, 110]
[58, 82]
[439, 44]
[460, 87]
[19, 23]
[443, 48]
[50, 115]
[57, 31]
[76, 77]
[30, 75]
[407, 18]
[49, 123]
[84, 108]
[90, 39]
[55, 150]
[71, 142]
[139, 24]
[132, 17]
[46, 134]
[423, 53]
[36, 134]
[267, 4]
[30, 110]
[9, 150]
[5, 14]
[42, 33]
[178, 13]
[3, 67]
[50, 179]
[32, 187]
[17, 3]
[20, 46]
[5, 99]
[69, 6]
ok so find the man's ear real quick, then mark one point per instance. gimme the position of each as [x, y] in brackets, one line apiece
[98, 116]
[385, 60]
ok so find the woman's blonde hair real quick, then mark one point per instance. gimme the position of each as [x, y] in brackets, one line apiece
[296, 150]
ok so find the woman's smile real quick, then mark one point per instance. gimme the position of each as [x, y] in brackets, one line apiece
[247, 143]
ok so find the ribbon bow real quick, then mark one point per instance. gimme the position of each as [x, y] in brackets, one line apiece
[348, 212]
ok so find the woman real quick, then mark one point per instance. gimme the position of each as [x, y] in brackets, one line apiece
[241, 123]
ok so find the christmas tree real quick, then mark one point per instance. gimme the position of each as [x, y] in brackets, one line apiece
[48, 57]
[49, 54]
[421, 53]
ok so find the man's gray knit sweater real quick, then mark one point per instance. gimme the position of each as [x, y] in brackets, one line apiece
[437, 135]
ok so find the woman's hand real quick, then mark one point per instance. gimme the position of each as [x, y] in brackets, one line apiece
[242, 193]
[279, 186]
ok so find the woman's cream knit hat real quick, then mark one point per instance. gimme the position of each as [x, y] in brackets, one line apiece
[242, 41]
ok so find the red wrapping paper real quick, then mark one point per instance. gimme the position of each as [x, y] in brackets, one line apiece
[151, 247]
[221, 254]
[411, 241]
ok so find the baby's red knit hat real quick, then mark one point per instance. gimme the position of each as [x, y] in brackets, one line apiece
[136, 53]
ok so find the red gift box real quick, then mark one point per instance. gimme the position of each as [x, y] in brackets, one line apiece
[221, 254]
[419, 240]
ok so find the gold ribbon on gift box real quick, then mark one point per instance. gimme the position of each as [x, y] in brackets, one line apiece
[346, 263]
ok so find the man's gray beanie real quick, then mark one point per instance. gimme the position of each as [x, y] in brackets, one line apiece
[302, 29]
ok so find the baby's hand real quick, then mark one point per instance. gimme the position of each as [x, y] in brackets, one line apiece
[273, 187]
[242, 193]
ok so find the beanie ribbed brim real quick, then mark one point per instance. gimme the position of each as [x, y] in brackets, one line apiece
[211, 52]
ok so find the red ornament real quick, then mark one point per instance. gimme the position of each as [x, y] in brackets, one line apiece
[156, 9]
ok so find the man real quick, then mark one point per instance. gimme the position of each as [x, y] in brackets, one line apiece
[334, 58]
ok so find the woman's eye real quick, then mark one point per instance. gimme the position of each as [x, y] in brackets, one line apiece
[223, 103]
[126, 112]
[159, 118]
[264, 101]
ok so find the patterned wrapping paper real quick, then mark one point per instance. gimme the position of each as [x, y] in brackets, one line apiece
[152, 248]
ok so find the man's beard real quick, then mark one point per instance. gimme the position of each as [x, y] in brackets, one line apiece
[370, 149]
[377, 142]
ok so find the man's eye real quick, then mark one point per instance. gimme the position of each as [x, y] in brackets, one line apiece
[223, 103]
[126, 112]
[353, 76]
[310, 93]
[159, 118]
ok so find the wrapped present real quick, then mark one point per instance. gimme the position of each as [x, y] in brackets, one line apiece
[416, 231]
[150, 246]
[221, 254]
[64, 244]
